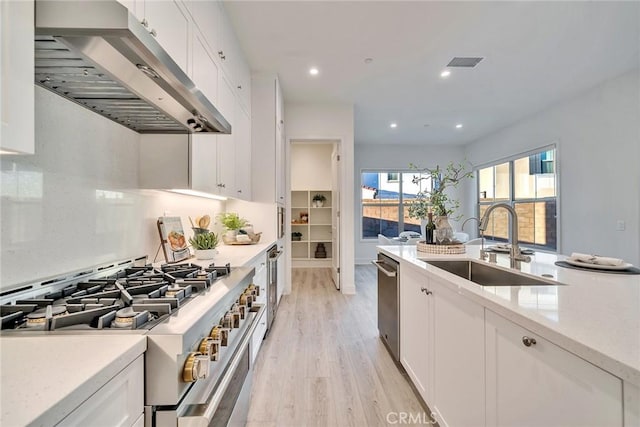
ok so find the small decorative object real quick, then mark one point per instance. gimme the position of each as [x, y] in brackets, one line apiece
[201, 224]
[318, 200]
[304, 217]
[173, 242]
[321, 251]
[296, 236]
[204, 245]
[436, 199]
[232, 222]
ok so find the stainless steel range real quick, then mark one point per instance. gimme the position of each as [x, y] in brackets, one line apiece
[199, 322]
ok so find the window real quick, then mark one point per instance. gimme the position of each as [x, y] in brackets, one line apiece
[528, 184]
[385, 197]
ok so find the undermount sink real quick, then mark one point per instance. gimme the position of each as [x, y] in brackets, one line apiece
[486, 275]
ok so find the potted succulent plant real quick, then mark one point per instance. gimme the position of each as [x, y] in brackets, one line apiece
[318, 200]
[296, 236]
[231, 221]
[204, 245]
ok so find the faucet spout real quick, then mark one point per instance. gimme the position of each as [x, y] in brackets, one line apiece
[515, 253]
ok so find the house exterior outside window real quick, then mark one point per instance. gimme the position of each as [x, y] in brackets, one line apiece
[529, 184]
[384, 200]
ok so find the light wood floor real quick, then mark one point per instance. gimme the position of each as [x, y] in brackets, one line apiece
[323, 363]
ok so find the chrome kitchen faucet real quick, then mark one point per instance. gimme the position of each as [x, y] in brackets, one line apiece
[514, 253]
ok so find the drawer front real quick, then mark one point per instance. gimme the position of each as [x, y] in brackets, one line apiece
[258, 336]
[119, 403]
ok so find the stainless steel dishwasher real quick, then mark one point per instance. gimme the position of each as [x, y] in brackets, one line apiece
[388, 304]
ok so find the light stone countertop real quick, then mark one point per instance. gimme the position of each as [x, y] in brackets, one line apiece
[593, 315]
[44, 378]
[236, 255]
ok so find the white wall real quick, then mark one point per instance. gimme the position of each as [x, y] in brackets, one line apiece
[75, 203]
[390, 156]
[311, 166]
[598, 139]
[329, 122]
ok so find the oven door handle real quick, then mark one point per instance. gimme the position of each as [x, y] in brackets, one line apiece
[204, 418]
[274, 258]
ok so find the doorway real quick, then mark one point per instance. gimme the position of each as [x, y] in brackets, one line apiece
[315, 205]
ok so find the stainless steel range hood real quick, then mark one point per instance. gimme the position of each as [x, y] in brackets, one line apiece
[97, 54]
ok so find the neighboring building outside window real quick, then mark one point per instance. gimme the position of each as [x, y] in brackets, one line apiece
[528, 183]
[385, 197]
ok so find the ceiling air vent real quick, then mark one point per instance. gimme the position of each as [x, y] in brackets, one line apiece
[464, 62]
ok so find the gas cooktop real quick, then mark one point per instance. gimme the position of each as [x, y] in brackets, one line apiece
[129, 298]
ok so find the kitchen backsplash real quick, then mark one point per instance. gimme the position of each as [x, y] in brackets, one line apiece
[76, 202]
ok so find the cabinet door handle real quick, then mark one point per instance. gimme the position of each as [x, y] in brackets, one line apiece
[426, 291]
[528, 342]
[239, 86]
[145, 23]
[153, 32]
[221, 55]
[239, 191]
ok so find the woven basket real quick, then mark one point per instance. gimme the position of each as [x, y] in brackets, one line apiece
[440, 249]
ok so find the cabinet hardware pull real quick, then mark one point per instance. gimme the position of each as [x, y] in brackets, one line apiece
[153, 32]
[426, 291]
[528, 342]
[145, 23]
[239, 86]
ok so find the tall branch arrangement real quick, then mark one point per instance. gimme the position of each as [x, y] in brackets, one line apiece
[436, 198]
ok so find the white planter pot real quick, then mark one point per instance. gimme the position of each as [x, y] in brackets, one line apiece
[205, 253]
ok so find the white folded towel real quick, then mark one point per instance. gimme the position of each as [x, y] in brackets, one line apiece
[596, 259]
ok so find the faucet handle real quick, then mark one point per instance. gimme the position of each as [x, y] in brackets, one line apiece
[483, 254]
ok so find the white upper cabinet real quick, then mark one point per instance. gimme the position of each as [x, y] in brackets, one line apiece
[226, 143]
[205, 73]
[204, 163]
[207, 18]
[17, 103]
[267, 146]
[531, 381]
[234, 63]
[168, 21]
[242, 143]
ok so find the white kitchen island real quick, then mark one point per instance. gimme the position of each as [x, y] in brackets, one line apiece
[466, 345]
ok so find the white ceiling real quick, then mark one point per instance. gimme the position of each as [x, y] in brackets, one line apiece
[535, 55]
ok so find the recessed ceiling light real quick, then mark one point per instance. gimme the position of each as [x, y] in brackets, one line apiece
[459, 125]
[314, 71]
[393, 125]
[445, 74]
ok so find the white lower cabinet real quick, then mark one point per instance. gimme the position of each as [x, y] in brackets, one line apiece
[258, 336]
[416, 333]
[458, 347]
[542, 384]
[118, 403]
[260, 278]
[442, 347]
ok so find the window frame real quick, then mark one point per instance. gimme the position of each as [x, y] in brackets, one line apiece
[513, 201]
[400, 204]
